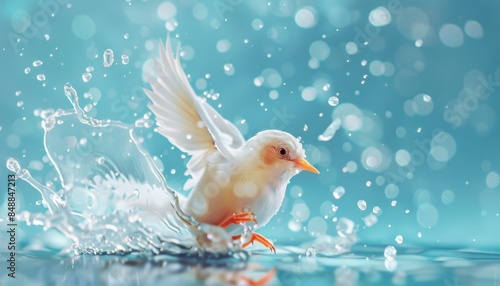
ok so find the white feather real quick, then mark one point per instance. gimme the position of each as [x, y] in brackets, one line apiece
[185, 119]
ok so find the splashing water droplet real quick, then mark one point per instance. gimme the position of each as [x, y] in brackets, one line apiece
[13, 165]
[108, 57]
[27, 70]
[37, 63]
[311, 251]
[330, 130]
[89, 69]
[86, 77]
[306, 127]
[125, 59]
[100, 160]
[390, 252]
[333, 101]
[88, 107]
[399, 239]
[326, 87]
[338, 192]
[362, 205]
[40, 77]
[229, 69]
[345, 227]
[370, 220]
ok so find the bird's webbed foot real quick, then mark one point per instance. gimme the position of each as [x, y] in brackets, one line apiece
[259, 238]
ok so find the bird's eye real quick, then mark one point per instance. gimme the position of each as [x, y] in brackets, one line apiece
[283, 151]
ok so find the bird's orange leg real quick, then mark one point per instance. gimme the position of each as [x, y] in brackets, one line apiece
[239, 218]
[259, 238]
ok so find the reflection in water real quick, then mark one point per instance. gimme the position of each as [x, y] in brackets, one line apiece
[362, 266]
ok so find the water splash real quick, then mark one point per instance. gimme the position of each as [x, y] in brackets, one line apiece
[114, 199]
[330, 130]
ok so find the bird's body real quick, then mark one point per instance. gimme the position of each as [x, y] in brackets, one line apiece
[233, 181]
[239, 184]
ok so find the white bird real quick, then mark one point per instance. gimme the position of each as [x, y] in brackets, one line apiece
[234, 181]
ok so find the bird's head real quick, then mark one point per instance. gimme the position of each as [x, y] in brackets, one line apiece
[280, 150]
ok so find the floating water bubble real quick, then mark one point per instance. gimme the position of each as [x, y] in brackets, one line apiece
[345, 227]
[362, 205]
[319, 50]
[166, 10]
[126, 36]
[372, 158]
[200, 11]
[338, 192]
[492, 180]
[413, 23]
[171, 25]
[380, 16]
[351, 48]
[473, 29]
[443, 146]
[27, 70]
[125, 59]
[451, 35]
[390, 252]
[351, 167]
[257, 24]
[305, 127]
[108, 57]
[20, 103]
[370, 220]
[300, 212]
[399, 239]
[17, 93]
[229, 69]
[326, 87]
[306, 17]
[333, 101]
[223, 45]
[294, 225]
[391, 191]
[330, 130]
[89, 69]
[350, 115]
[40, 77]
[311, 251]
[37, 63]
[447, 197]
[86, 77]
[377, 68]
[376, 209]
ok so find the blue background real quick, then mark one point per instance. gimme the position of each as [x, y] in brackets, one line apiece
[452, 202]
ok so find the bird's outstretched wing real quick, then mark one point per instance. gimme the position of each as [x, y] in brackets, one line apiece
[185, 119]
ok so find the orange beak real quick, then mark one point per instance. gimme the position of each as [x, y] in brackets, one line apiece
[306, 166]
